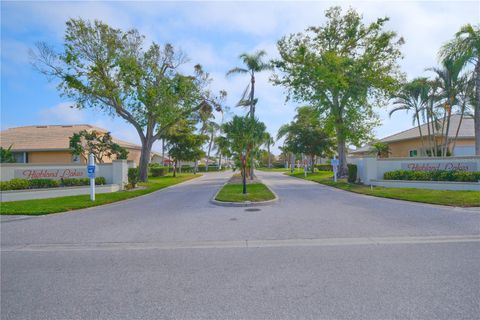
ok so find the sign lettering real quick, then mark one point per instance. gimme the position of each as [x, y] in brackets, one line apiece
[433, 166]
[54, 174]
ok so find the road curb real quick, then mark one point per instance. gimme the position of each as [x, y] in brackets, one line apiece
[244, 203]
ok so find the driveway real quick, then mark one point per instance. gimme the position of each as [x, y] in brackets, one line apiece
[316, 253]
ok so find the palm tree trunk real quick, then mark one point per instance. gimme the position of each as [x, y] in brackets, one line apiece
[208, 153]
[269, 160]
[252, 115]
[420, 130]
[476, 113]
[458, 129]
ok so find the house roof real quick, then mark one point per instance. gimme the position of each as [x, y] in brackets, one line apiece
[466, 131]
[49, 137]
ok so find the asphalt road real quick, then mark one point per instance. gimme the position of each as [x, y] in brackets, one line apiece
[318, 253]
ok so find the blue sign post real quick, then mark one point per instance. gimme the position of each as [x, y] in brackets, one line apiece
[334, 162]
[91, 175]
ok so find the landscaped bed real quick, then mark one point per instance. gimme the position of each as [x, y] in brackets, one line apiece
[233, 192]
[53, 205]
[443, 197]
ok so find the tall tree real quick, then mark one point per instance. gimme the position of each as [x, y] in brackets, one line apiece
[268, 142]
[465, 48]
[242, 134]
[253, 64]
[212, 130]
[345, 68]
[450, 84]
[413, 97]
[107, 69]
[306, 135]
[184, 144]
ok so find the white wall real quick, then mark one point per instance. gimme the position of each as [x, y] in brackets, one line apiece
[370, 168]
[114, 173]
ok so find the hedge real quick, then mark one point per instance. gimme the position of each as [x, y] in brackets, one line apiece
[324, 167]
[158, 171]
[437, 175]
[352, 172]
[22, 184]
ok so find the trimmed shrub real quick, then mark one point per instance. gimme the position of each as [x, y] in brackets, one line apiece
[437, 175]
[43, 183]
[100, 180]
[158, 171]
[133, 176]
[352, 172]
[324, 167]
[15, 184]
[186, 168]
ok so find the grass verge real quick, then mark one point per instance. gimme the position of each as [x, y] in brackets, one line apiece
[54, 205]
[442, 197]
[255, 192]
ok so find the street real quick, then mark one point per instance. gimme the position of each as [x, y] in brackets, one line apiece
[317, 253]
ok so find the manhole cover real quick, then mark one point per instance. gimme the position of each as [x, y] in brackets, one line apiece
[252, 209]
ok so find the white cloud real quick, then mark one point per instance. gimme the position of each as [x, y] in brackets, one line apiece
[62, 113]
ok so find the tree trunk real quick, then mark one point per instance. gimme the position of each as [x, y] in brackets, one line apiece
[421, 134]
[341, 150]
[476, 116]
[163, 152]
[175, 168]
[145, 159]
[208, 153]
[311, 163]
[252, 114]
[269, 160]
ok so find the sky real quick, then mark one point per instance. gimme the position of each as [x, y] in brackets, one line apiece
[213, 34]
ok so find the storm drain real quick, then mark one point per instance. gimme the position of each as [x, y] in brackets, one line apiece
[252, 209]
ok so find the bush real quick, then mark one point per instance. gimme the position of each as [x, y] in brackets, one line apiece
[324, 167]
[203, 168]
[352, 172]
[14, 184]
[186, 168]
[133, 176]
[43, 183]
[437, 175]
[22, 184]
[158, 171]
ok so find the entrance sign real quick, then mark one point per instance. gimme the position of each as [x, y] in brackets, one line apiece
[53, 174]
[334, 162]
[433, 166]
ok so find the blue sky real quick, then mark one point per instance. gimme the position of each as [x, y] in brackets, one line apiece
[212, 34]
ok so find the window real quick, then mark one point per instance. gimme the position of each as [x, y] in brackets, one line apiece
[20, 157]
[413, 153]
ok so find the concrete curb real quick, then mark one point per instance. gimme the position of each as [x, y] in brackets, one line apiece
[244, 203]
[418, 203]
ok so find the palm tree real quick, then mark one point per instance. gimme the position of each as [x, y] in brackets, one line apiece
[253, 64]
[450, 83]
[413, 97]
[212, 129]
[268, 142]
[465, 48]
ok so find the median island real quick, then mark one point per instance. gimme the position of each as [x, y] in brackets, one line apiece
[233, 191]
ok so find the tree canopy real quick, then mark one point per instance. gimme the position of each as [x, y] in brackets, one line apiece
[345, 68]
[109, 70]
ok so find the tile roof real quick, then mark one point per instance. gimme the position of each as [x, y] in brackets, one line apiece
[466, 131]
[48, 137]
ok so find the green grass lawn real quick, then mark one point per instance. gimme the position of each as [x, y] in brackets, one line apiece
[255, 192]
[53, 205]
[443, 197]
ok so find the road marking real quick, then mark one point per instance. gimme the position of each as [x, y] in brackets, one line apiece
[322, 242]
